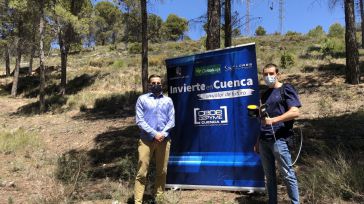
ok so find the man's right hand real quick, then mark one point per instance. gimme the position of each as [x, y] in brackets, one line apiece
[159, 137]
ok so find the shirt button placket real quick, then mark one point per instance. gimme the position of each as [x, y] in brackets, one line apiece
[158, 115]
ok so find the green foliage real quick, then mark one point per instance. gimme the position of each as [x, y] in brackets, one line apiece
[75, 48]
[135, 48]
[20, 5]
[80, 25]
[133, 24]
[18, 21]
[317, 32]
[154, 28]
[187, 38]
[236, 32]
[260, 31]
[118, 64]
[73, 19]
[292, 33]
[174, 27]
[333, 47]
[112, 47]
[108, 17]
[287, 60]
[108, 11]
[336, 30]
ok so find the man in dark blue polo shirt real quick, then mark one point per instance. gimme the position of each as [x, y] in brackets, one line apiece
[276, 126]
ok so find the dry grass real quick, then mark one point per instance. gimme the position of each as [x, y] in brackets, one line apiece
[332, 176]
[96, 148]
[18, 140]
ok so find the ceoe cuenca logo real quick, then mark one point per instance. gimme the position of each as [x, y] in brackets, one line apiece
[210, 117]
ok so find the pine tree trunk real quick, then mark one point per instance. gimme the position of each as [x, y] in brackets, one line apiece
[63, 68]
[41, 60]
[7, 61]
[351, 47]
[213, 24]
[32, 52]
[14, 88]
[113, 38]
[362, 22]
[30, 70]
[227, 28]
[64, 52]
[4, 9]
[144, 45]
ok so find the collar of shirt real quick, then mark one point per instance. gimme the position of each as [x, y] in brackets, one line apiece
[154, 96]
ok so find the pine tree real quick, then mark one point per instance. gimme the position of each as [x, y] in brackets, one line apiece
[213, 24]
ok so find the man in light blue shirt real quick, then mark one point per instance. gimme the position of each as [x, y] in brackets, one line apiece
[155, 119]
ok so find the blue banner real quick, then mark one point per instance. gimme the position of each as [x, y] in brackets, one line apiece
[213, 140]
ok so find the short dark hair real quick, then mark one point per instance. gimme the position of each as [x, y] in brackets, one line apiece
[270, 65]
[154, 76]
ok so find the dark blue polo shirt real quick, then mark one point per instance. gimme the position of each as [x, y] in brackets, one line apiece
[279, 102]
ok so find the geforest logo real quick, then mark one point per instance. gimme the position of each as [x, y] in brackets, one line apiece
[210, 117]
[208, 70]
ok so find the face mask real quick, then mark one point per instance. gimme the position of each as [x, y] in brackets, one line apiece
[270, 80]
[156, 88]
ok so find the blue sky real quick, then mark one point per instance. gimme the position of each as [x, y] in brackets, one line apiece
[300, 15]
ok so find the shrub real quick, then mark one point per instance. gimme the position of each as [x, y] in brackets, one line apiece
[112, 47]
[101, 62]
[83, 108]
[333, 47]
[260, 31]
[135, 48]
[292, 33]
[317, 32]
[287, 60]
[336, 31]
[118, 64]
[72, 167]
[203, 41]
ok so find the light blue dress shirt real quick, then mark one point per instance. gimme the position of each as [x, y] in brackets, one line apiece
[154, 114]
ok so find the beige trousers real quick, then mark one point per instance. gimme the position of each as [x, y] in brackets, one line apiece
[146, 149]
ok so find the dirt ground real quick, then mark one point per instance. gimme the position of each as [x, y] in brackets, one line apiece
[28, 177]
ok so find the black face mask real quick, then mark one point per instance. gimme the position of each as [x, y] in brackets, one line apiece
[156, 88]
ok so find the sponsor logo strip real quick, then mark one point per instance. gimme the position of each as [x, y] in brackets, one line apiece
[208, 70]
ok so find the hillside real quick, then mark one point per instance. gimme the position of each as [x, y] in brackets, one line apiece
[83, 149]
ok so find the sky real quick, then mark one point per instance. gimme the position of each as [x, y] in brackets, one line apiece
[300, 15]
